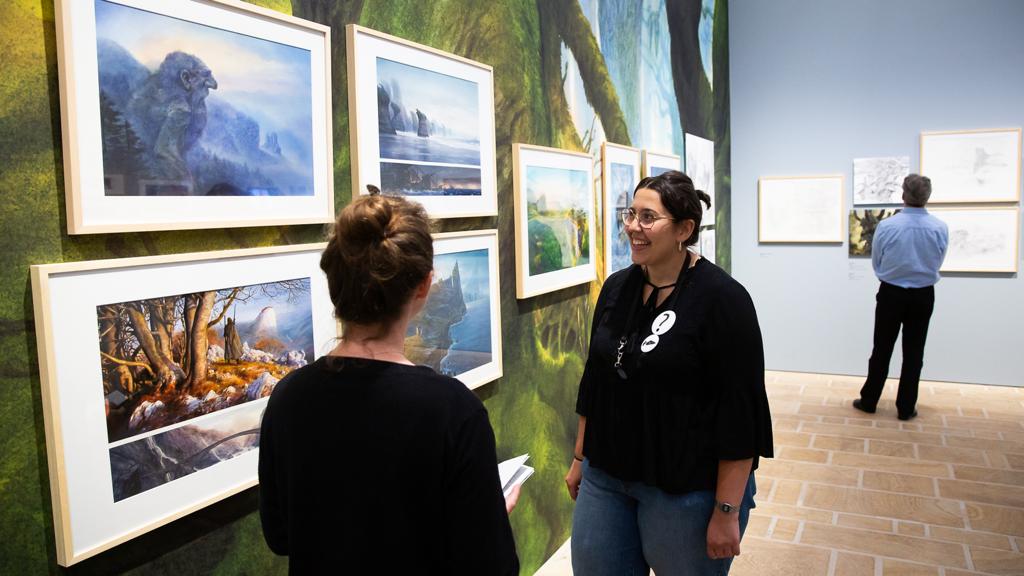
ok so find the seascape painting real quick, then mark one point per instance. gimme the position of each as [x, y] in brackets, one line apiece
[170, 359]
[192, 110]
[558, 212]
[145, 463]
[879, 180]
[428, 130]
[452, 334]
[863, 224]
[621, 182]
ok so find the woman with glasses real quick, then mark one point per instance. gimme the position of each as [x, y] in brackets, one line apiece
[673, 415]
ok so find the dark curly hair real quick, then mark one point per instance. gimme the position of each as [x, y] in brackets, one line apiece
[680, 198]
[379, 250]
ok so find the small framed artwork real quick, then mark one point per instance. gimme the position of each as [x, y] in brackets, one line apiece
[657, 163]
[863, 224]
[797, 209]
[620, 173]
[155, 373]
[981, 239]
[458, 332]
[972, 165]
[555, 221]
[707, 244]
[879, 180]
[174, 116]
[700, 167]
[422, 124]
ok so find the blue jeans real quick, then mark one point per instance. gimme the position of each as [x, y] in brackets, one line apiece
[626, 528]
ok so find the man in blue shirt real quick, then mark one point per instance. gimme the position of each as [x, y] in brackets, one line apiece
[906, 252]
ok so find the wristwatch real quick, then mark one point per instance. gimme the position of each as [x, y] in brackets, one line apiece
[725, 507]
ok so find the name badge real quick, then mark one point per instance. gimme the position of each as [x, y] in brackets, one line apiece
[663, 322]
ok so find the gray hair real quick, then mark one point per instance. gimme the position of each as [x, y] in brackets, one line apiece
[917, 190]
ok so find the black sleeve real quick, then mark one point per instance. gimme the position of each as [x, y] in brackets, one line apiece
[272, 511]
[584, 395]
[477, 534]
[742, 426]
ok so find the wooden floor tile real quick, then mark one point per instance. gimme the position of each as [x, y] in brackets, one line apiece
[889, 545]
[997, 494]
[848, 564]
[884, 504]
[997, 561]
[770, 558]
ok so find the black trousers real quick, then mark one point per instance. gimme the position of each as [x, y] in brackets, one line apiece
[895, 306]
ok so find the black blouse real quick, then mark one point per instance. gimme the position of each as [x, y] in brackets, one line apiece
[695, 398]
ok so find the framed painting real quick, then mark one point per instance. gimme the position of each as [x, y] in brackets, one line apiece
[706, 243]
[193, 114]
[458, 332]
[656, 163]
[800, 209]
[879, 180]
[155, 372]
[555, 221]
[421, 124]
[620, 173]
[863, 224]
[981, 239]
[700, 167]
[972, 165]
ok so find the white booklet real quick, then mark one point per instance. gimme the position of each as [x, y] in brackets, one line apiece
[512, 472]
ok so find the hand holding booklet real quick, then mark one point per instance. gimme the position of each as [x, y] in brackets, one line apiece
[513, 472]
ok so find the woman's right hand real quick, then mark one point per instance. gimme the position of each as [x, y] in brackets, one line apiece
[573, 478]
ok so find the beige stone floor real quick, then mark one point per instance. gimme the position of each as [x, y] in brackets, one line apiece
[851, 494]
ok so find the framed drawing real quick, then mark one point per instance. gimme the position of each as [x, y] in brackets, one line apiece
[879, 180]
[620, 173]
[554, 204]
[175, 115]
[981, 239]
[707, 244]
[458, 332]
[800, 209]
[972, 165]
[422, 124]
[655, 163]
[700, 167]
[155, 373]
[862, 228]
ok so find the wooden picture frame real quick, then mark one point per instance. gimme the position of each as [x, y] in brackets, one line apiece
[547, 258]
[972, 165]
[620, 173]
[458, 332]
[981, 239]
[120, 342]
[165, 126]
[800, 209]
[421, 124]
[657, 162]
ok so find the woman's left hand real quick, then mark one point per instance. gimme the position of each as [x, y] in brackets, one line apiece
[723, 535]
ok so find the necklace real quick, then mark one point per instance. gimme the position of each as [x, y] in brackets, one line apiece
[363, 350]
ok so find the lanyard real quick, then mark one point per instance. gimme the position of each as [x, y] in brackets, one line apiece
[629, 337]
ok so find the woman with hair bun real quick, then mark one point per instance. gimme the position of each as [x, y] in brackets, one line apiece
[673, 414]
[369, 464]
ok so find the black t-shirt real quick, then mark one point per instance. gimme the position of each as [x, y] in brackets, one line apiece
[376, 467]
[695, 398]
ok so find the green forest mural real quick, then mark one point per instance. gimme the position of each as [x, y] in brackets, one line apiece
[568, 73]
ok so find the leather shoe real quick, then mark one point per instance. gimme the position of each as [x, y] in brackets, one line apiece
[907, 416]
[859, 405]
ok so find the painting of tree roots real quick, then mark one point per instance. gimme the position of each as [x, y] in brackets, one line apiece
[180, 109]
[863, 224]
[458, 331]
[163, 406]
[424, 124]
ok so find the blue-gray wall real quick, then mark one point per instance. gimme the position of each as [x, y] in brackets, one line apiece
[817, 83]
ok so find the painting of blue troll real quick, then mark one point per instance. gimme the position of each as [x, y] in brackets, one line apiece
[191, 110]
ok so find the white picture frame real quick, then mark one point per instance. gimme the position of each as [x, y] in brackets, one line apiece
[411, 86]
[972, 165]
[561, 258]
[981, 240]
[98, 426]
[131, 164]
[620, 173]
[657, 162]
[800, 209]
[472, 350]
[700, 167]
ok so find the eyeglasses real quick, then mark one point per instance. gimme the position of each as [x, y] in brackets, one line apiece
[645, 218]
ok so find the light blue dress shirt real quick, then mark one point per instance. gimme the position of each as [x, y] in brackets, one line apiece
[908, 248]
